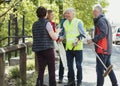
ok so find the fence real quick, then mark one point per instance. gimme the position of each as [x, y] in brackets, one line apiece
[22, 64]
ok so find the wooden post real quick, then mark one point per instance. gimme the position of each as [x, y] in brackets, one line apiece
[23, 65]
[36, 63]
[2, 70]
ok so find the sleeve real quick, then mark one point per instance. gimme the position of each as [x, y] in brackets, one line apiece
[81, 28]
[49, 27]
[102, 25]
[62, 27]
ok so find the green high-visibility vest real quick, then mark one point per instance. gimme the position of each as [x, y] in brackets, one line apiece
[71, 33]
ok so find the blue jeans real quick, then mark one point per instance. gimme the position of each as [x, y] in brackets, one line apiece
[78, 55]
[100, 70]
[61, 70]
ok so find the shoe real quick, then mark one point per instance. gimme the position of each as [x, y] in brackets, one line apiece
[79, 84]
[38, 83]
[60, 82]
[52, 83]
[70, 83]
[44, 85]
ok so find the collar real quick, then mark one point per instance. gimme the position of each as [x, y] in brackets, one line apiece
[96, 19]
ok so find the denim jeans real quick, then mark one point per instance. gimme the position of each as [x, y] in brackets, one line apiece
[100, 70]
[78, 55]
[61, 70]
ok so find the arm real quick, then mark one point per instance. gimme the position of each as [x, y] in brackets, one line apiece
[52, 34]
[62, 27]
[62, 33]
[81, 30]
[103, 31]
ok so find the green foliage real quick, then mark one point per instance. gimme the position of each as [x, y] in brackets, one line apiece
[28, 8]
[84, 10]
[14, 72]
[30, 65]
[32, 80]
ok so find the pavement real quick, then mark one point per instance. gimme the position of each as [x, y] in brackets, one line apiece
[89, 64]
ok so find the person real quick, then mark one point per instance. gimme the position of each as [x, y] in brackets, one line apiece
[50, 17]
[43, 36]
[61, 66]
[103, 38]
[73, 30]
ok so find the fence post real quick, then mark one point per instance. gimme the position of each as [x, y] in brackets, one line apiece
[23, 65]
[2, 70]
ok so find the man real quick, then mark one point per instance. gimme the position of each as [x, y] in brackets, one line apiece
[43, 36]
[73, 29]
[103, 38]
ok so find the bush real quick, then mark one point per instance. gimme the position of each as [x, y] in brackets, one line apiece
[32, 80]
[30, 65]
[15, 72]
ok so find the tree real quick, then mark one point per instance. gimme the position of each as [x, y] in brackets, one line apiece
[84, 10]
[28, 8]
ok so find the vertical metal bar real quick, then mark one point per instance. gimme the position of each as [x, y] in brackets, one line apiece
[8, 32]
[23, 29]
[9, 54]
[16, 34]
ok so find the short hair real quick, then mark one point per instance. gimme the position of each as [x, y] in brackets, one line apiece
[49, 11]
[64, 12]
[71, 10]
[98, 8]
[41, 12]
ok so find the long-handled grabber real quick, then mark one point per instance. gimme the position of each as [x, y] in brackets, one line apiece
[107, 69]
[80, 37]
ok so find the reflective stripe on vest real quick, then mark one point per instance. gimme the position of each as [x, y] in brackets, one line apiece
[72, 31]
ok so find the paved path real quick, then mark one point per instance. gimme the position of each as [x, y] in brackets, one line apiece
[89, 72]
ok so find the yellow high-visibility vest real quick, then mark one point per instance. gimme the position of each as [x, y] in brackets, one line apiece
[72, 31]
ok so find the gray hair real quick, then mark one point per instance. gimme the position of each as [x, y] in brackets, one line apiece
[98, 8]
[71, 10]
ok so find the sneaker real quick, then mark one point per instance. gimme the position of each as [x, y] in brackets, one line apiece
[79, 84]
[60, 82]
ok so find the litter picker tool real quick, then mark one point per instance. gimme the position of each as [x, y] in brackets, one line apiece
[107, 69]
[80, 37]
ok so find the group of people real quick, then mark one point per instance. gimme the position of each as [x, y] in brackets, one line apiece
[71, 33]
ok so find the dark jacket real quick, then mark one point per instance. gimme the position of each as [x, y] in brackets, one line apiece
[41, 39]
[62, 27]
[103, 35]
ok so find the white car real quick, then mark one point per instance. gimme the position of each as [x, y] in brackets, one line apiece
[116, 35]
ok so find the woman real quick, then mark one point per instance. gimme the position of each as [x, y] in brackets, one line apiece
[43, 36]
[50, 17]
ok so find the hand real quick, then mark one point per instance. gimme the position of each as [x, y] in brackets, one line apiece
[61, 38]
[89, 41]
[76, 42]
[58, 30]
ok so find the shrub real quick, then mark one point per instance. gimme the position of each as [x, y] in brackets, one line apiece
[15, 72]
[30, 65]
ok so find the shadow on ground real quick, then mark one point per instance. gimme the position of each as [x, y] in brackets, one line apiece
[88, 84]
